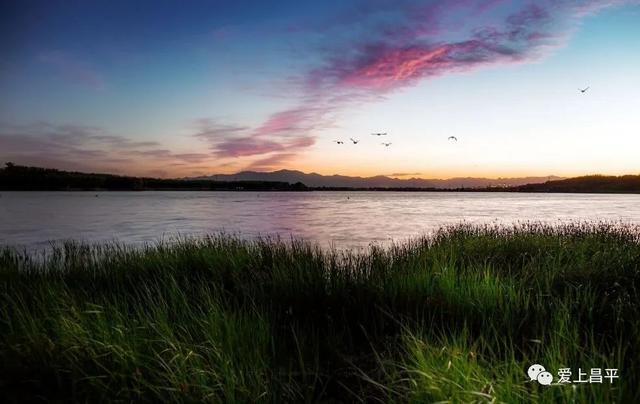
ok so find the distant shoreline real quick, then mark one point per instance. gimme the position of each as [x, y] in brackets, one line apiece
[22, 178]
[408, 190]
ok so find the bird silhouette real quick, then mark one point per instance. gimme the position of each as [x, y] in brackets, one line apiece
[379, 134]
[353, 140]
[386, 144]
[339, 141]
[583, 90]
[452, 138]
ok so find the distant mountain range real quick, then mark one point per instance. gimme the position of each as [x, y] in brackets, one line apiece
[380, 181]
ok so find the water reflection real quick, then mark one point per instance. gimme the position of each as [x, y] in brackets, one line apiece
[344, 219]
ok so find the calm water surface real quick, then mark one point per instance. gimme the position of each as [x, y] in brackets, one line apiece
[341, 219]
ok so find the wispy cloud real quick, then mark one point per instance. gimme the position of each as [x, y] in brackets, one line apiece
[87, 148]
[272, 162]
[417, 46]
[281, 133]
[383, 46]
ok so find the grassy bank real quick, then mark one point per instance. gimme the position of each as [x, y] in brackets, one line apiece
[459, 316]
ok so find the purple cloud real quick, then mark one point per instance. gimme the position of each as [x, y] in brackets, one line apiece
[88, 148]
[279, 134]
[401, 57]
[272, 162]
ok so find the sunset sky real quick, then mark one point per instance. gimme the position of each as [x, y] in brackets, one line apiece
[174, 88]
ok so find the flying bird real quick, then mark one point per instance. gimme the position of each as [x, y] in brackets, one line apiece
[379, 134]
[452, 138]
[583, 90]
[353, 140]
[339, 141]
[386, 144]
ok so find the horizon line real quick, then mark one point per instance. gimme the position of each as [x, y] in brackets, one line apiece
[394, 176]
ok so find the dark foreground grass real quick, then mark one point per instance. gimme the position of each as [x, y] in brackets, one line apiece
[457, 317]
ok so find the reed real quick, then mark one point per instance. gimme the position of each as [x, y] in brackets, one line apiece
[458, 316]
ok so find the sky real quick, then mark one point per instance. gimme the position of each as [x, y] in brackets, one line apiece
[174, 89]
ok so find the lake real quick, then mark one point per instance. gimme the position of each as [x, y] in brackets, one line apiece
[340, 219]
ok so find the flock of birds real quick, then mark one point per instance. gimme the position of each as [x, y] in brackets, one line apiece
[450, 138]
[385, 144]
[356, 141]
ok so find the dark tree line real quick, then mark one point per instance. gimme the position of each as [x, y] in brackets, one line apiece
[22, 178]
[587, 184]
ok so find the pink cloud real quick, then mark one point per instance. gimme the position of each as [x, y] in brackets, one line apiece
[272, 162]
[387, 64]
[301, 119]
[399, 66]
[236, 141]
[247, 146]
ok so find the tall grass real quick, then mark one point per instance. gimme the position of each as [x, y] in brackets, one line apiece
[455, 317]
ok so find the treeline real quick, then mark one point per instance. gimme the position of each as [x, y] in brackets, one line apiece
[586, 184]
[21, 178]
